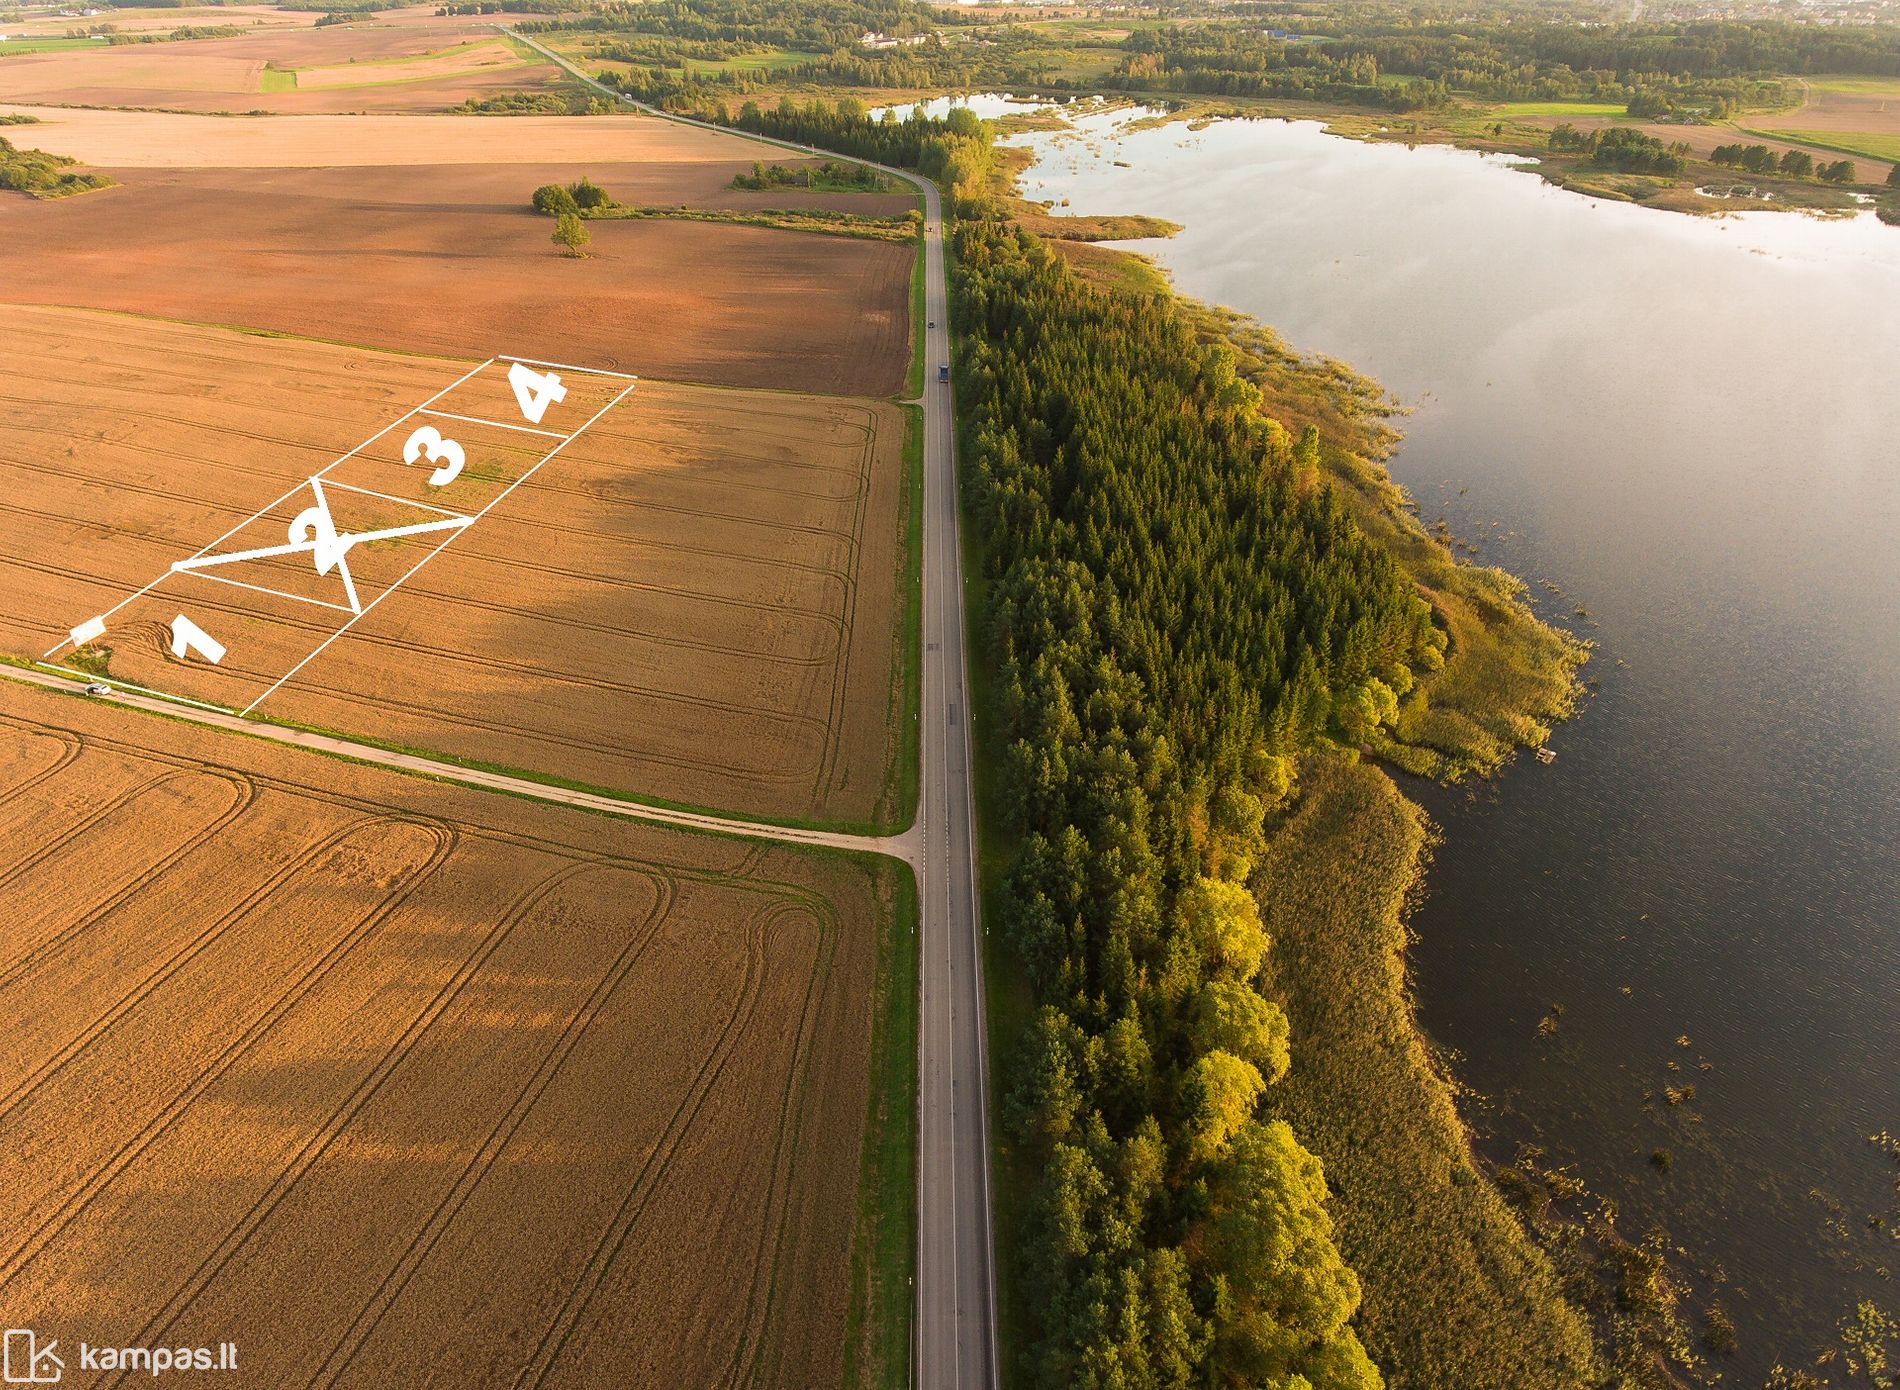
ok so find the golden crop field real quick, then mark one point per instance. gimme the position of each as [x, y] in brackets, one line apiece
[394, 1083]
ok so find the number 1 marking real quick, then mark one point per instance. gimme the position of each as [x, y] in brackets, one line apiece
[188, 636]
[534, 391]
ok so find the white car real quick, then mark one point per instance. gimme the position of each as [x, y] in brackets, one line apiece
[98, 688]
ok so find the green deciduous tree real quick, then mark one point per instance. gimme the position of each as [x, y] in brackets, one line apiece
[1217, 1097]
[1286, 1296]
[1229, 1016]
[1222, 921]
[571, 233]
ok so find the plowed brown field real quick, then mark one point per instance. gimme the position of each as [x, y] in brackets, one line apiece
[408, 62]
[396, 1084]
[696, 600]
[450, 259]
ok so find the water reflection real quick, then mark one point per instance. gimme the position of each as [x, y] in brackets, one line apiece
[1690, 429]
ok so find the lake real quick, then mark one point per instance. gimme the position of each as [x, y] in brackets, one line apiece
[1685, 433]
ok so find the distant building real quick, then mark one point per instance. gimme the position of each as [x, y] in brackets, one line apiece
[872, 39]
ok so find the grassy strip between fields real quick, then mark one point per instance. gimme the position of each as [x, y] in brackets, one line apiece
[914, 382]
[1867, 144]
[901, 778]
[823, 221]
[878, 1337]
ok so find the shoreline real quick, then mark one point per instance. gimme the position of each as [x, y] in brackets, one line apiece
[1367, 1066]
[1523, 142]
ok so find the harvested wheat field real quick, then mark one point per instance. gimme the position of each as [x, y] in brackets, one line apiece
[461, 265]
[1868, 105]
[397, 1084]
[696, 599]
[409, 63]
[1855, 116]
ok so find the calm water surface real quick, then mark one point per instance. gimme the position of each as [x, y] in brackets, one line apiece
[1692, 429]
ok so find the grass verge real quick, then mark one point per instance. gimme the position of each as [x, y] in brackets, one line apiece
[914, 383]
[878, 1335]
[1865, 143]
[901, 784]
[822, 221]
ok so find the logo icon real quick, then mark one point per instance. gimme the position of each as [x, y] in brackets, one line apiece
[26, 1362]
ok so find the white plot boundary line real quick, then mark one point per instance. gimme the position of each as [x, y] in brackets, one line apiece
[292, 492]
[492, 503]
[565, 367]
[274, 593]
[492, 424]
[387, 497]
[317, 545]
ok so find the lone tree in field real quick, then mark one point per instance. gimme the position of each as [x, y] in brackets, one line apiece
[571, 232]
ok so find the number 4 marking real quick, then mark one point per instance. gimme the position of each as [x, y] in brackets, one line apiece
[535, 391]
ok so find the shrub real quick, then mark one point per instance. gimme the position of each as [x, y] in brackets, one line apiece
[551, 200]
[589, 196]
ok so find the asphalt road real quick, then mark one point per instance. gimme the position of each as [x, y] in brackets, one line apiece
[956, 1288]
[955, 1346]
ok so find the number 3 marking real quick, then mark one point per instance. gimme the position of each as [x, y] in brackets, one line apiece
[429, 441]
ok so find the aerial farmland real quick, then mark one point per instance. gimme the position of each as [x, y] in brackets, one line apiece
[320, 436]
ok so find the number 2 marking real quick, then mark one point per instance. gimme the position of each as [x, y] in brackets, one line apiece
[428, 441]
[313, 529]
[534, 391]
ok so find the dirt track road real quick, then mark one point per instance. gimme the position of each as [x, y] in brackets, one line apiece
[897, 846]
